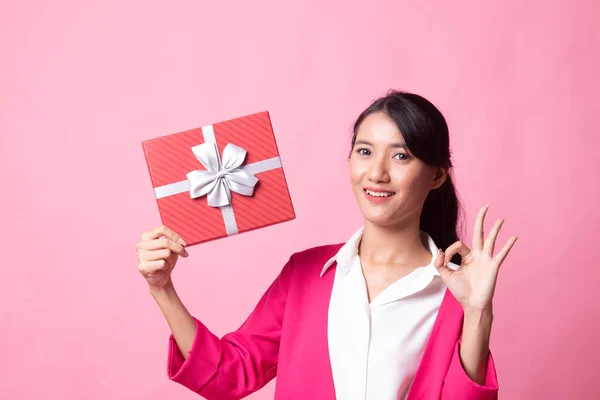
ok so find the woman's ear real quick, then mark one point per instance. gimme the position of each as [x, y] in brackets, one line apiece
[441, 174]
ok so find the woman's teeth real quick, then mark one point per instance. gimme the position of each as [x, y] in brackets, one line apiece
[380, 194]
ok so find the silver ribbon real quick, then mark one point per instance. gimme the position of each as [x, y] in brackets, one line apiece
[221, 177]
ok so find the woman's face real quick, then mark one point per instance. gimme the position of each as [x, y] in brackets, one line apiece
[389, 183]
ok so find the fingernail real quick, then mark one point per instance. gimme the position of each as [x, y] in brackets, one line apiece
[182, 242]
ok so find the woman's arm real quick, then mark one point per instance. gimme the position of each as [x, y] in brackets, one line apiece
[474, 349]
[181, 322]
[472, 372]
[237, 364]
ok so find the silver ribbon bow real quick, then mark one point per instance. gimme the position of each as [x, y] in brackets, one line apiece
[220, 177]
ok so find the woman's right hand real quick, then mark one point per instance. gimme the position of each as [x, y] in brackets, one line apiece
[157, 254]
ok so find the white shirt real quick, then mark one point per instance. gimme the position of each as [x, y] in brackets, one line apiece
[375, 348]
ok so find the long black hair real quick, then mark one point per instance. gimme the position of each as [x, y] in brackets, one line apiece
[425, 132]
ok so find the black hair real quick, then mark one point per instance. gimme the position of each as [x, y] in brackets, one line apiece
[425, 133]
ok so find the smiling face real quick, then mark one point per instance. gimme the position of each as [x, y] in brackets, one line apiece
[389, 183]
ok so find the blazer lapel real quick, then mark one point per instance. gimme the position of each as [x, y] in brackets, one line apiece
[434, 364]
[320, 296]
[308, 368]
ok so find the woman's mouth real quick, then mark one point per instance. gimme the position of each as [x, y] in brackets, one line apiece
[377, 196]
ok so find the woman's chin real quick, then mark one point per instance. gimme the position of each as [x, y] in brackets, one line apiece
[378, 218]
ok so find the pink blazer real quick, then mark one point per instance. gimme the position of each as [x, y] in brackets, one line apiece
[286, 336]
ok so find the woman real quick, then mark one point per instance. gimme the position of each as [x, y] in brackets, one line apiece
[386, 315]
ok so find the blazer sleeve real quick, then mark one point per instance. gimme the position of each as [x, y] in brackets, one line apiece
[241, 362]
[459, 386]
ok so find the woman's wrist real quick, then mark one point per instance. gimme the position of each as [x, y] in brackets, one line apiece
[166, 291]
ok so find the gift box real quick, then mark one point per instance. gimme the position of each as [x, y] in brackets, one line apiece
[219, 180]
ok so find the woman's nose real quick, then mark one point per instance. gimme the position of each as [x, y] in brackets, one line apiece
[378, 171]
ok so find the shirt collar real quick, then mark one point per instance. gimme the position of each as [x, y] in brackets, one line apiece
[349, 251]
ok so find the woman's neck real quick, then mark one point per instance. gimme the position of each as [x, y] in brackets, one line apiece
[401, 245]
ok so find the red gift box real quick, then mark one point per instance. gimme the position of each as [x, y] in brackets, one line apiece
[219, 180]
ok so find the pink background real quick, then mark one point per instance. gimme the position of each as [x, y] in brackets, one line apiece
[84, 83]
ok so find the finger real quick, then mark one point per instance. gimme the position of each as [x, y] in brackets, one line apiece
[162, 243]
[478, 231]
[456, 247]
[439, 259]
[163, 231]
[154, 255]
[438, 263]
[504, 252]
[149, 267]
[490, 241]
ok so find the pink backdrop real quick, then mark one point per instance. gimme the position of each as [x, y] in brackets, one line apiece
[83, 83]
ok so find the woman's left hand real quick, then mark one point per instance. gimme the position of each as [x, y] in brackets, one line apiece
[473, 283]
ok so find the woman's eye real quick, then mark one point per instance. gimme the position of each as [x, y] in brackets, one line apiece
[363, 152]
[403, 156]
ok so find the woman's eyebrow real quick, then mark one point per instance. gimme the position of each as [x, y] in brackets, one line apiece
[366, 142]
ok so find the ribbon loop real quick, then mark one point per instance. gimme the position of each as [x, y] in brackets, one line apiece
[221, 176]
